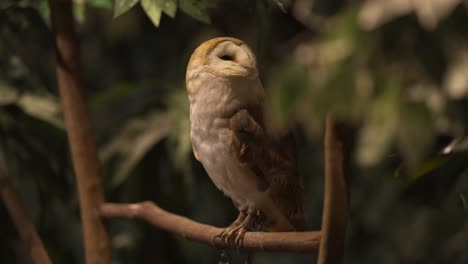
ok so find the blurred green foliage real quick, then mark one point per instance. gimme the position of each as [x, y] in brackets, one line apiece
[396, 74]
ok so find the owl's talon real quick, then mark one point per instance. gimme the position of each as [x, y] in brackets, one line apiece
[213, 241]
[227, 236]
[239, 240]
[233, 236]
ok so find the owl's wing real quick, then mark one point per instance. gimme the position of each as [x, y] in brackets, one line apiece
[285, 185]
[273, 160]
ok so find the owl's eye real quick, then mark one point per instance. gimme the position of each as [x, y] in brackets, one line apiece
[227, 58]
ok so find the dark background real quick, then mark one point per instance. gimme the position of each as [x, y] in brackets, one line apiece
[397, 75]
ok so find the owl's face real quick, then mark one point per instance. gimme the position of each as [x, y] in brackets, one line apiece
[222, 57]
[222, 76]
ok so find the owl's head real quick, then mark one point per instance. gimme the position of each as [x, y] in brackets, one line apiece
[224, 57]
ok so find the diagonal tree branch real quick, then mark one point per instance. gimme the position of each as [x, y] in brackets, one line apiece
[79, 131]
[22, 220]
[336, 204]
[300, 242]
[329, 242]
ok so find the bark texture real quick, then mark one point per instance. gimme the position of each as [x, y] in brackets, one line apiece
[80, 135]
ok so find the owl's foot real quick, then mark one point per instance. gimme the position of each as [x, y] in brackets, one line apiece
[252, 222]
[223, 236]
[233, 235]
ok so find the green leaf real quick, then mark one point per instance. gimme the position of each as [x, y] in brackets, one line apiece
[153, 11]
[79, 12]
[425, 168]
[415, 133]
[380, 128]
[44, 11]
[179, 143]
[8, 94]
[133, 141]
[114, 94]
[180, 136]
[169, 7]
[122, 6]
[196, 9]
[287, 88]
[106, 4]
[40, 106]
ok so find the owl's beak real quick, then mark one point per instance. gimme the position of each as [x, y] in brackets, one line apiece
[236, 71]
[236, 64]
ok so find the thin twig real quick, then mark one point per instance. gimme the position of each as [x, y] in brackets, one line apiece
[336, 205]
[79, 131]
[300, 242]
[22, 220]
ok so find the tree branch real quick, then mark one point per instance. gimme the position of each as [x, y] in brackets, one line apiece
[22, 220]
[80, 135]
[300, 242]
[336, 205]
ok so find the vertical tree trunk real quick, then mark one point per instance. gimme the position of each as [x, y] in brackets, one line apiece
[336, 204]
[80, 136]
[22, 221]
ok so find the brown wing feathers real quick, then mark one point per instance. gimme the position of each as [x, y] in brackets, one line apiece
[272, 160]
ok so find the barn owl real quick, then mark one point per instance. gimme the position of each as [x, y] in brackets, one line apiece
[255, 169]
